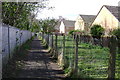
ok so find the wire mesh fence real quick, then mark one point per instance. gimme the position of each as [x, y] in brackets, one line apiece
[90, 57]
[93, 60]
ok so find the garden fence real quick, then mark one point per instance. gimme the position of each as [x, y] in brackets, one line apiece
[86, 56]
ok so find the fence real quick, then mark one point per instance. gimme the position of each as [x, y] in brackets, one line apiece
[86, 56]
[11, 38]
[103, 41]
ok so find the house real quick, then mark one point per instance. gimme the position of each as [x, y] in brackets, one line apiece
[83, 22]
[57, 27]
[108, 18]
[66, 26]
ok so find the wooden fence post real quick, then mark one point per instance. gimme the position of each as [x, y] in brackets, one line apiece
[48, 39]
[112, 58]
[76, 55]
[63, 48]
[42, 36]
[56, 54]
[118, 45]
[52, 41]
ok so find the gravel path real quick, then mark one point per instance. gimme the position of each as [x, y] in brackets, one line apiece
[38, 64]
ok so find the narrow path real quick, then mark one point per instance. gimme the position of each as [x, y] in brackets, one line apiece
[38, 64]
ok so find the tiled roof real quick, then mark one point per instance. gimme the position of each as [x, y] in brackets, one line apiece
[88, 18]
[69, 23]
[58, 25]
[115, 10]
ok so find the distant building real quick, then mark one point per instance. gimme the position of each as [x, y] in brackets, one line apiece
[66, 26]
[57, 27]
[108, 17]
[83, 22]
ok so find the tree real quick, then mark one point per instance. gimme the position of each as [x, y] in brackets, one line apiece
[97, 31]
[18, 14]
[48, 25]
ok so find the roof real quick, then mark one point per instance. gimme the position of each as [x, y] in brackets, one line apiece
[58, 25]
[115, 10]
[88, 18]
[69, 23]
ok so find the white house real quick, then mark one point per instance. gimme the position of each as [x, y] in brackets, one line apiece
[66, 26]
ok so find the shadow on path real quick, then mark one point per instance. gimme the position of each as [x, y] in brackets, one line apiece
[38, 64]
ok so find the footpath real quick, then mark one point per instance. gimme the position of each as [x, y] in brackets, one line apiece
[39, 65]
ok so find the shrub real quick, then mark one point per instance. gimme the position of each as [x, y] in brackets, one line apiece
[116, 32]
[74, 31]
[97, 31]
[71, 32]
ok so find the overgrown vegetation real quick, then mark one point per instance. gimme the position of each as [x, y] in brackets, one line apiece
[97, 31]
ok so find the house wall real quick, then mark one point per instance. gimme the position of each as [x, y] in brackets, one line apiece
[79, 24]
[106, 20]
[62, 28]
[67, 30]
[57, 31]
[0, 51]
[15, 38]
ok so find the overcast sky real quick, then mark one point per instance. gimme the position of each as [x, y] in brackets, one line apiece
[70, 9]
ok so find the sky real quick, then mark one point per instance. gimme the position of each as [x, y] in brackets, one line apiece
[70, 9]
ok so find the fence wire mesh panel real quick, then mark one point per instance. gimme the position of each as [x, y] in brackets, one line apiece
[93, 59]
[69, 51]
[117, 70]
[117, 74]
[59, 43]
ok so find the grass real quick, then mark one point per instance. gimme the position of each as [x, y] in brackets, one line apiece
[93, 59]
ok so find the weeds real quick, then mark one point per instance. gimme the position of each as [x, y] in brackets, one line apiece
[15, 64]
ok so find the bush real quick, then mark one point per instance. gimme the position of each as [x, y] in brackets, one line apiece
[97, 31]
[73, 31]
[116, 32]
